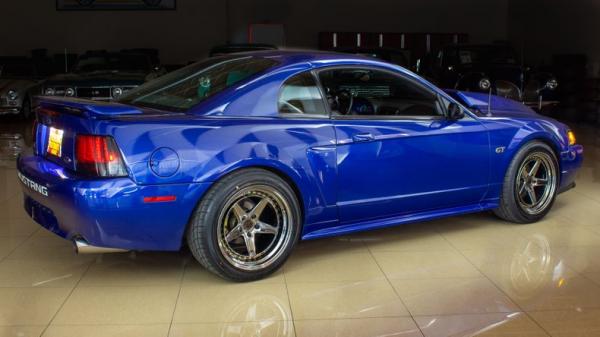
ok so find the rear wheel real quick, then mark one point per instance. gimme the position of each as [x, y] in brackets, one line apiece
[26, 108]
[530, 184]
[246, 225]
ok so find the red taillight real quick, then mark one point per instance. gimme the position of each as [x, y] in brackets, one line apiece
[99, 156]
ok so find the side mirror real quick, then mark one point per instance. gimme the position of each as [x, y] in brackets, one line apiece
[455, 112]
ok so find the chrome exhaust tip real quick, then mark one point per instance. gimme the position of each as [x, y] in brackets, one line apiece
[82, 247]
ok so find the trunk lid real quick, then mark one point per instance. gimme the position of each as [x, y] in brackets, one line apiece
[60, 120]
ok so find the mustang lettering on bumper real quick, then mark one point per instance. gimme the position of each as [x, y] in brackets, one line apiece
[39, 188]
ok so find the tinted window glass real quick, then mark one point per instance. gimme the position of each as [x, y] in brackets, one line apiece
[300, 95]
[366, 92]
[186, 87]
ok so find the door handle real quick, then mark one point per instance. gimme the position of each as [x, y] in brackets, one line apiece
[362, 137]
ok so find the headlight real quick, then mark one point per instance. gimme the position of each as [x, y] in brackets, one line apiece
[49, 92]
[572, 139]
[552, 84]
[12, 95]
[485, 84]
[117, 92]
[70, 92]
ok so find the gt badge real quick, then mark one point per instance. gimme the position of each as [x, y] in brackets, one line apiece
[500, 149]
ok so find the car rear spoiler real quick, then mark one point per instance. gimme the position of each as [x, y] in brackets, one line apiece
[85, 108]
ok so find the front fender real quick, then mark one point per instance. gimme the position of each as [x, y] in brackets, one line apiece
[541, 130]
[507, 136]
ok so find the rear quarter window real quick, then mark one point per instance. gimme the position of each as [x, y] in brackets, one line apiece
[189, 86]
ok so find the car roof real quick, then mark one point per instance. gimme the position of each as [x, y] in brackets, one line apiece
[262, 94]
[315, 57]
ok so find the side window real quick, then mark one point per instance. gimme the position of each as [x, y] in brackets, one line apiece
[300, 95]
[368, 92]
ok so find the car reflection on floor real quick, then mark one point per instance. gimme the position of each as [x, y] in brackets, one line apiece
[15, 137]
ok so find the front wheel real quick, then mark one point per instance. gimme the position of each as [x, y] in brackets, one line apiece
[246, 225]
[530, 184]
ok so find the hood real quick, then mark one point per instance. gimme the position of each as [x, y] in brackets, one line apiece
[504, 108]
[98, 78]
[500, 106]
[7, 84]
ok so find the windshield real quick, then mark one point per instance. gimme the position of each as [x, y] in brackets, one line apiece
[186, 87]
[113, 62]
[487, 54]
[17, 70]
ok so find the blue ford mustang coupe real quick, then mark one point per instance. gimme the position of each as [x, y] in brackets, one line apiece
[241, 156]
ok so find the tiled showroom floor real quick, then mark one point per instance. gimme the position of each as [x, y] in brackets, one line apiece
[461, 276]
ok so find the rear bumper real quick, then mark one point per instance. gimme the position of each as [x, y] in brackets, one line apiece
[106, 213]
[571, 161]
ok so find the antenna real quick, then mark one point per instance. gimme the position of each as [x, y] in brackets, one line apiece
[490, 102]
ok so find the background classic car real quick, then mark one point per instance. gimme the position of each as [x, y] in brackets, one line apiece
[495, 67]
[103, 75]
[19, 82]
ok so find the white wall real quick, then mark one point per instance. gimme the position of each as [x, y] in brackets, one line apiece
[197, 25]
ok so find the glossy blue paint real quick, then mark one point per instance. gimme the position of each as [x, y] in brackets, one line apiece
[350, 174]
[433, 153]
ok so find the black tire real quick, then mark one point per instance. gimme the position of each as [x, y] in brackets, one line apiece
[26, 108]
[511, 208]
[206, 234]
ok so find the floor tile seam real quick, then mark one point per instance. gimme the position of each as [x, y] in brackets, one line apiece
[396, 293]
[182, 277]
[66, 298]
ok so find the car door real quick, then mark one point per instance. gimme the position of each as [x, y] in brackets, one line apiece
[397, 153]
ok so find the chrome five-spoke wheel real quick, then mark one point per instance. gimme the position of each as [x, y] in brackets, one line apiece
[253, 227]
[246, 225]
[530, 184]
[536, 182]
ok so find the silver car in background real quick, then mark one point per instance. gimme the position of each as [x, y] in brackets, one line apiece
[19, 83]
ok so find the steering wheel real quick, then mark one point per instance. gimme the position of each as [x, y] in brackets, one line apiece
[361, 106]
[343, 100]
